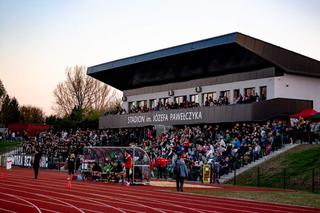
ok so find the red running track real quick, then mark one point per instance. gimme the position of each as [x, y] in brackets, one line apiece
[19, 192]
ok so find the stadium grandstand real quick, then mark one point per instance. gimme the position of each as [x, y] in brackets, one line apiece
[225, 79]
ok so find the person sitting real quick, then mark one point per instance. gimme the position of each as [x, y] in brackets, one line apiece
[96, 172]
[107, 169]
[117, 172]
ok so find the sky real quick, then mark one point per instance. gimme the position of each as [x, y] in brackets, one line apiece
[39, 39]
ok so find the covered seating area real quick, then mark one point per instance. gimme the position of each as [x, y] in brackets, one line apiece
[108, 164]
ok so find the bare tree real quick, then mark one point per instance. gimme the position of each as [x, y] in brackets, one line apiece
[83, 92]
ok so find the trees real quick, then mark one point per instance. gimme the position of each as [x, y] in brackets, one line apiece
[3, 94]
[10, 110]
[31, 114]
[2, 90]
[81, 92]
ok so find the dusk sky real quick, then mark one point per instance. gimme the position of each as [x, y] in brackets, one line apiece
[40, 38]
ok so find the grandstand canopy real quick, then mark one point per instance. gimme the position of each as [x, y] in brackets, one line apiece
[230, 53]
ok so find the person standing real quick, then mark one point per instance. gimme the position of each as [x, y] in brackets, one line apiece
[36, 162]
[181, 172]
[128, 166]
[71, 162]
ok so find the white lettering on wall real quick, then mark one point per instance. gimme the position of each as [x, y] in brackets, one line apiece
[136, 119]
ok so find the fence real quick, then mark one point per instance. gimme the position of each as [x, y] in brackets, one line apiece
[282, 178]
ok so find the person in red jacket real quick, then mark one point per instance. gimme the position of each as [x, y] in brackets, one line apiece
[161, 164]
[128, 166]
[152, 165]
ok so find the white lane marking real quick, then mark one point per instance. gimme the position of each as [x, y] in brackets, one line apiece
[48, 210]
[7, 210]
[102, 204]
[143, 198]
[19, 198]
[14, 202]
[58, 204]
[58, 200]
[133, 203]
[157, 194]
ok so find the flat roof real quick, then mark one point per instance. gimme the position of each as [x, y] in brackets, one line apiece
[230, 53]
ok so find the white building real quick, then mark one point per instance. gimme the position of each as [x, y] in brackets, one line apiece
[224, 66]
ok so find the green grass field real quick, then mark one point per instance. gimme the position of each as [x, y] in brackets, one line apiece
[291, 170]
[6, 146]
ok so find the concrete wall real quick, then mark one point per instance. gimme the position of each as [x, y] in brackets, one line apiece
[257, 111]
[298, 87]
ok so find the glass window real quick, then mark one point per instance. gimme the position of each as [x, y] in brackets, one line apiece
[142, 103]
[194, 98]
[249, 91]
[263, 93]
[236, 94]
[225, 93]
[209, 96]
[131, 105]
[163, 101]
[180, 99]
[153, 103]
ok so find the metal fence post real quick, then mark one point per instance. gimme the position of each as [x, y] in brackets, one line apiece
[258, 177]
[313, 171]
[234, 174]
[59, 165]
[284, 178]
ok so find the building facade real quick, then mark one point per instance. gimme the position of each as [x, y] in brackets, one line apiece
[216, 77]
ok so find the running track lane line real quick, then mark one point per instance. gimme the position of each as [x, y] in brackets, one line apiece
[59, 204]
[6, 210]
[114, 186]
[278, 206]
[21, 204]
[60, 201]
[17, 197]
[48, 202]
[121, 201]
[193, 209]
[82, 202]
[225, 208]
[102, 204]
[34, 199]
[211, 201]
[144, 198]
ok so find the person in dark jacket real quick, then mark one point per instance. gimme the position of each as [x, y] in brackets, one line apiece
[181, 172]
[71, 162]
[36, 162]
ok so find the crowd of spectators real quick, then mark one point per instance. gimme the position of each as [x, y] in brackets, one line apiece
[224, 147]
[166, 106]
[222, 100]
[249, 98]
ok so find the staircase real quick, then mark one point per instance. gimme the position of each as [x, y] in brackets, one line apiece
[226, 178]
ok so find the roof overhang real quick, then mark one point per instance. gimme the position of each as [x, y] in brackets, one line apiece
[231, 53]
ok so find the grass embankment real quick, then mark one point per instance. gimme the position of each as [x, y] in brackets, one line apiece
[298, 163]
[298, 198]
[6, 146]
[290, 170]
